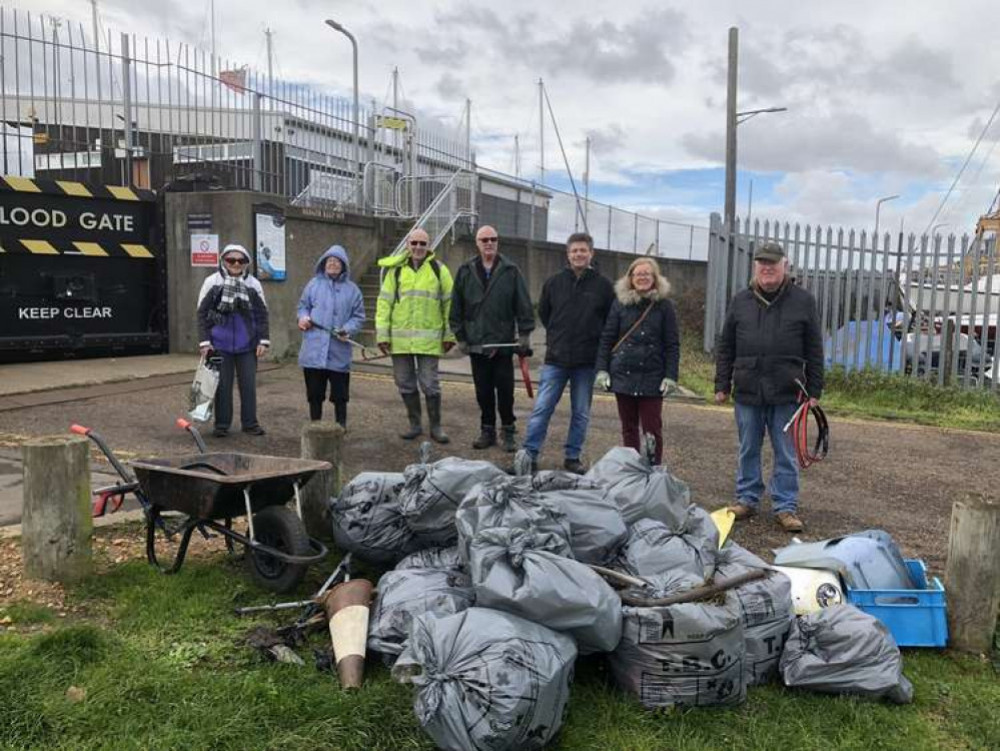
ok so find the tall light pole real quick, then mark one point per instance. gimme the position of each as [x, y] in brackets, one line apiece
[878, 208]
[733, 119]
[731, 81]
[357, 110]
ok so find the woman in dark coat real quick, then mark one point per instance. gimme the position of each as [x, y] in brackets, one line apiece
[640, 351]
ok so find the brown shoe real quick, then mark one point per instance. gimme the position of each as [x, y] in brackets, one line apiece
[789, 522]
[742, 511]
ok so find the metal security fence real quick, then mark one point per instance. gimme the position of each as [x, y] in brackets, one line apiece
[926, 306]
[126, 110]
[118, 109]
[547, 213]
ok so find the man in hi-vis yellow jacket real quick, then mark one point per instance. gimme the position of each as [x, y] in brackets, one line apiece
[411, 324]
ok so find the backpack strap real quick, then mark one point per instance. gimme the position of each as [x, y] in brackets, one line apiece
[435, 267]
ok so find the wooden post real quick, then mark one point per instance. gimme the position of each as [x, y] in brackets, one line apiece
[972, 575]
[323, 441]
[56, 524]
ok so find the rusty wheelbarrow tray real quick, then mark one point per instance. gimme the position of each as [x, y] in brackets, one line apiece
[207, 487]
[212, 489]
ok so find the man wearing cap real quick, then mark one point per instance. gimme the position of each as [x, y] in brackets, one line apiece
[770, 348]
[492, 318]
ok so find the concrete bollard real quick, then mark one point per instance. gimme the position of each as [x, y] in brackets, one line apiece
[56, 525]
[972, 574]
[322, 441]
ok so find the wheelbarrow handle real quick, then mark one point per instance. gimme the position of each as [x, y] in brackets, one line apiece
[190, 428]
[105, 449]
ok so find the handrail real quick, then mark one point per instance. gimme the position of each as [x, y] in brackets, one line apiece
[449, 193]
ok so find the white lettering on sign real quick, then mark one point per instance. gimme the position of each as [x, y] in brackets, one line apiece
[19, 216]
[117, 222]
[46, 314]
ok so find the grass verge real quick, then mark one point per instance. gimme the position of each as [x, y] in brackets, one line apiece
[158, 663]
[868, 394]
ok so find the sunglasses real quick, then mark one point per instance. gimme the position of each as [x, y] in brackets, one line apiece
[236, 261]
[418, 243]
[488, 239]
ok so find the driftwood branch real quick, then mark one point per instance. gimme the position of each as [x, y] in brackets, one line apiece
[693, 595]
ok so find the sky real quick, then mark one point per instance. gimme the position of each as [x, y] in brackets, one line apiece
[883, 98]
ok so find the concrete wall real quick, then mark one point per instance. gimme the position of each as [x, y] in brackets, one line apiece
[309, 234]
[306, 238]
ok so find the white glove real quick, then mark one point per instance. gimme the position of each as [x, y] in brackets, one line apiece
[668, 386]
[603, 380]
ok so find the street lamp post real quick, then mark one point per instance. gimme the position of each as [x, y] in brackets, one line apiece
[878, 208]
[733, 119]
[357, 110]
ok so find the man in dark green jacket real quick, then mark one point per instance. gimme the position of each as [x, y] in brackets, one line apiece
[490, 306]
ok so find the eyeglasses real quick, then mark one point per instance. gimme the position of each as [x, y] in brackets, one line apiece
[488, 239]
[642, 275]
[418, 243]
[236, 261]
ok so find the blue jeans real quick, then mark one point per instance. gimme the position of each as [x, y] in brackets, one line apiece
[752, 421]
[550, 390]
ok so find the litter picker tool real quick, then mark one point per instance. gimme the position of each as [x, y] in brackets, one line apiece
[522, 361]
[367, 353]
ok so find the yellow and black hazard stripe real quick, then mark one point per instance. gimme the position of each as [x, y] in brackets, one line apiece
[78, 190]
[49, 247]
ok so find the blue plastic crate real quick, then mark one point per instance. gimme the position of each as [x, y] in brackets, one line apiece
[915, 617]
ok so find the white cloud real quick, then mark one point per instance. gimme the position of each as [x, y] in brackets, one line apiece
[873, 89]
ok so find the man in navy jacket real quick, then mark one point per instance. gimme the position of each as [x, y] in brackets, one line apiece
[574, 304]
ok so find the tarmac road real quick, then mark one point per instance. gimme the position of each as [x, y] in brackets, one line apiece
[899, 478]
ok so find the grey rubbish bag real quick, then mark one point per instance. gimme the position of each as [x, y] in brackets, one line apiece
[677, 559]
[767, 610]
[433, 491]
[532, 575]
[487, 681]
[843, 650]
[441, 558]
[644, 491]
[510, 503]
[367, 520]
[597, 528]
[685, 655]
[405, 594]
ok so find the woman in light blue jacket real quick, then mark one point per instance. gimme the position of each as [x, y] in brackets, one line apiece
[331, 311]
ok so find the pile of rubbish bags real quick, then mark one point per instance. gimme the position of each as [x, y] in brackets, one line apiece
[500, 581]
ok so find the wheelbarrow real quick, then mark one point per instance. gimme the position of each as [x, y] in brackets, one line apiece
[212, 489]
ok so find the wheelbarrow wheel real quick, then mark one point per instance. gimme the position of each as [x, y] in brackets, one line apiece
[278, 527]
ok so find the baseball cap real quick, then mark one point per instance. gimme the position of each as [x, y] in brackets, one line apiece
[769, 251]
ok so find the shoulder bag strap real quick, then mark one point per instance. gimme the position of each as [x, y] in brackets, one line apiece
[633, 327]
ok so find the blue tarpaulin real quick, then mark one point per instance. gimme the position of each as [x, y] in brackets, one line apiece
[856, 345]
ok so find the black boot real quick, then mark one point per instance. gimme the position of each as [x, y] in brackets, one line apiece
[434, 419]
[340, 413]
[509, 443]
[412, 402]
[487, 437]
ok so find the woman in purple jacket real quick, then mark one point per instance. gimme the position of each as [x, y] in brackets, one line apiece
[233, 321]
[331, 311]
